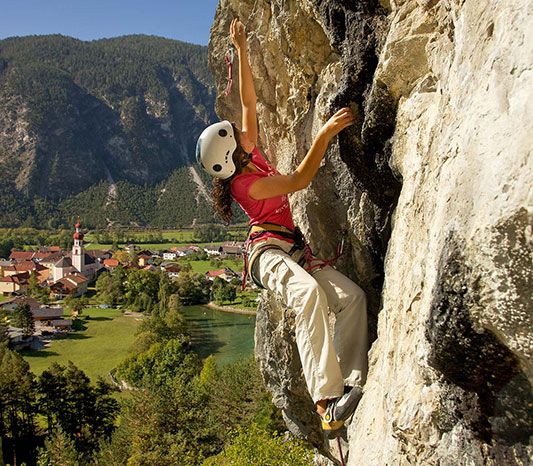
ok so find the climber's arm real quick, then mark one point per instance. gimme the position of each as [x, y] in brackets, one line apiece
[246, 83]
[272, 186]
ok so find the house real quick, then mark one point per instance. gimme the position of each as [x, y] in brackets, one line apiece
[169, 255]
[233, 248]
[172, 270]
[111, 264]
[144, 259]
[99, 255]
[14, 283]
[50, 319]
[213, 249]
[41, 272]
[18, 256]
[212, 274]
[11, 304]
[52, 258]
[17, 339]
[71, 285]
[45, 317]
[226, 274]
[184, 251]
[131, 248]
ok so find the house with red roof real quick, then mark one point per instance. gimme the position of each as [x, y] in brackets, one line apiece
[212, 274]
[21, 255]
[71, 285]
[111, 264]
[14, 283]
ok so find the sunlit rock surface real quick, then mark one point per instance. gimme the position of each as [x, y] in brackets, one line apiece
[432, 185]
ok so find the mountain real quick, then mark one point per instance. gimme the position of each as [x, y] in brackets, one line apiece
[107, 127]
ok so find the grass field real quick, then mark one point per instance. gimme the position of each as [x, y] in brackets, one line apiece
[203, 266]
[151, 246]
[96, 350]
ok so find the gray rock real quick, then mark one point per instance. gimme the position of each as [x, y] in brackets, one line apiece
[433, 185]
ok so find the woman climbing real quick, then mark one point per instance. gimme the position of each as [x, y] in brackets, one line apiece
[278, 260]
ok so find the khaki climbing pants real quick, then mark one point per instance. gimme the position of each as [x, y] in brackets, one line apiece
[328, 363]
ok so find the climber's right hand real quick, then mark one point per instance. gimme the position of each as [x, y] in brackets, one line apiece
[237, 33]
[339, 121]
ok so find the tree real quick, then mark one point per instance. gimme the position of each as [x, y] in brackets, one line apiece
[76, 305]
[222, 291]
[85, 412]
[253, 445]
[4, 334]
[110, 287]
[209, 233]
[17, 405]
[35, 290]
[59, 450]
[23, 318]
[141, 288]
[159, 365]
[192, 288]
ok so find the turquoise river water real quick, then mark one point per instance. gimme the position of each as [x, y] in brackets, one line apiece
[227, 336]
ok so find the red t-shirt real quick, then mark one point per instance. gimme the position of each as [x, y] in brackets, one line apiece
[272, 210]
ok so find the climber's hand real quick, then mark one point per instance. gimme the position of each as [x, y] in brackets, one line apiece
[238, 34]
[340, 120]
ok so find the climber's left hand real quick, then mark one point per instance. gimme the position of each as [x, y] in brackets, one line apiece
[238, 34]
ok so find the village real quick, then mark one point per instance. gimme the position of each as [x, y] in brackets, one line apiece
[60, 275]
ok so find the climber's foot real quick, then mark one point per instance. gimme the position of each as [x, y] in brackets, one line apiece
[332, 429]
[337, 410]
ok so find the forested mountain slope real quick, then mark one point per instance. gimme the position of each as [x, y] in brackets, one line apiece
[115, 120]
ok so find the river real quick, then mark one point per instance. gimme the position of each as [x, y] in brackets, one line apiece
[227, 336]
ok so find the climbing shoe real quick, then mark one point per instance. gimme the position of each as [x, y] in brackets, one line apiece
[340, 409]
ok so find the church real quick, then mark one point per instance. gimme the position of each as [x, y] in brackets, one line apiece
[78, 262]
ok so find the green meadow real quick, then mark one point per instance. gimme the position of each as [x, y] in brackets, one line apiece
[98, 348]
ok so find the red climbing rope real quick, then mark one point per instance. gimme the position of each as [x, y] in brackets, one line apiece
[340, 450]
[230, 55]
[314, 263]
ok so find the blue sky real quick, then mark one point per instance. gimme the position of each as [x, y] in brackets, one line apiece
[187, 20]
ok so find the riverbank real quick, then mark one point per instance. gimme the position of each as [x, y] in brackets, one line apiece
[232, 310]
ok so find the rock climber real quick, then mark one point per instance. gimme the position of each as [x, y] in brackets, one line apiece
[277, 257]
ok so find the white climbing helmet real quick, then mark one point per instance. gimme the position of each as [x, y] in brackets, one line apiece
[214, 150]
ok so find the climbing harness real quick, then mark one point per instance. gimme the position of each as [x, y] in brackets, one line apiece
[230, 56]
[321, 263]
[307, 261]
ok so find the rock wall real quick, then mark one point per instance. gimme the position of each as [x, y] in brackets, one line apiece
[433, 187]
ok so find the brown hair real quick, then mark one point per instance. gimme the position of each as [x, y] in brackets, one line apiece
[221, 191]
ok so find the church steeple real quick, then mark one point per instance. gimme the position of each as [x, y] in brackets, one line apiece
[78, 254]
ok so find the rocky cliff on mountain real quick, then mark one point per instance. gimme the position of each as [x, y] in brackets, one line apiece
[432, 184]
[74, 114]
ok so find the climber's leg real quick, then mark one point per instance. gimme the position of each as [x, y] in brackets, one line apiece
[301, 292]
[350, 338]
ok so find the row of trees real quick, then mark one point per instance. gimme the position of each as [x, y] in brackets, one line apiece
[146, 291]
[17, 238]
[74, 410]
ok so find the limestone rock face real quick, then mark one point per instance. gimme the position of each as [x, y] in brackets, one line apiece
[432, 184]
